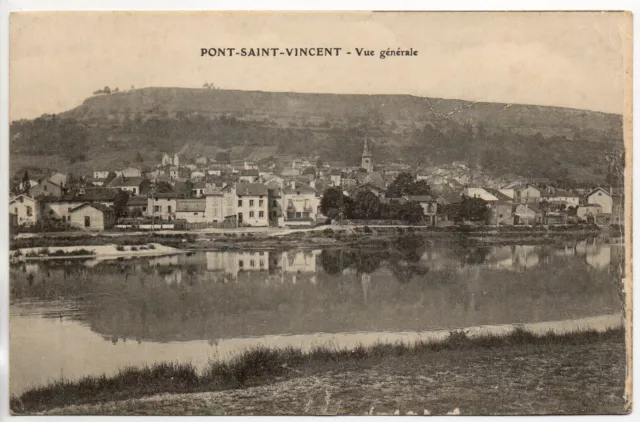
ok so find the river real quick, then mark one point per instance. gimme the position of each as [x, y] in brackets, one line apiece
[70, 318]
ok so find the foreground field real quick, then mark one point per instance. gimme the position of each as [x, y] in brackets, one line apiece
[521, 373]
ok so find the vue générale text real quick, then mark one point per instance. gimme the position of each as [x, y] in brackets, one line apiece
[305, 52]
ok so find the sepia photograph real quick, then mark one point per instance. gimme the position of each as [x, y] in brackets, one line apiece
[319, 213]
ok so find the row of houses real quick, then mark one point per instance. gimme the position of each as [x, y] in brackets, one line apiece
[234, 205]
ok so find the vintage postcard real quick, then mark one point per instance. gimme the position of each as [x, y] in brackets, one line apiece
[320, 213]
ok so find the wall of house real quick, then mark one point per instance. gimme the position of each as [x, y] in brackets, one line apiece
[214, 208]
[500, 214]
[166, 208]
[572, 201]
[97, 219]
[46, 189]
[192, 216]
[603, 199]
[429, 208]
[528, 194]
[27, 211]
[304, 206]
[479, 193]
[254, 213]
[583, 212]
[526, 215]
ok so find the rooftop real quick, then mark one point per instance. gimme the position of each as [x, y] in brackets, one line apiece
[251, 189]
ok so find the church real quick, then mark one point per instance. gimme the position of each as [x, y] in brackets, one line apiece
[367, 158]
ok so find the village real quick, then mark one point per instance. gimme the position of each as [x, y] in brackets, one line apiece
[293, 192]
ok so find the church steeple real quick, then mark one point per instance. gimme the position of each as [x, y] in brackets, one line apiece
[367, 159]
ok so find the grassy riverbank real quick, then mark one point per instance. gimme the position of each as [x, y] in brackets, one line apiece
[578, 372]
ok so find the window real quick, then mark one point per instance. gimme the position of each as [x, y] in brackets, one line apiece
[241, 263]
[262, 262]
[156, 208]
[261, 253]
[195, 213]
[252, 263]
[261, 203]
[275, 203]
[239, 202]
[29, 212]
[251, 214]
[261, 214]
[87, 221]
[169, 209]
[68, 218]
[251, 203]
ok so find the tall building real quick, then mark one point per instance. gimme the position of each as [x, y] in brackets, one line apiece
[367, 158]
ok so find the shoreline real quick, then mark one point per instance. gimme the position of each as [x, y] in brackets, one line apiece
[325, 236]
[523, 357]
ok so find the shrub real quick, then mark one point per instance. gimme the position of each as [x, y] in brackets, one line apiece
[367, 229]
[151, 246]
[133, 248]
[120, 248]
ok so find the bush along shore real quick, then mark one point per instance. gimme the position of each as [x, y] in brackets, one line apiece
[574, 372]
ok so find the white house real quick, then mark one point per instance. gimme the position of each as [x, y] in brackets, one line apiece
[132, 172]
[191, 210]
[92, 216]
[100, 174]
[59, 179]
[166, 160]
[252, 204]
[479, 193]
[568, 197]
[23, 210]
[162, 206]
[300, 205]
[600, 197]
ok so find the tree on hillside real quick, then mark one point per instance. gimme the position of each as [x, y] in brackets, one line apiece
[406, 184]
[400, 185]
[319, 163]
[471, 209]
[139, 158]
[112, 175]
[163, 187]
[366, 205]
[411, 212]
[26, 185]
[419, 187]
[120, 204]
[333, 202]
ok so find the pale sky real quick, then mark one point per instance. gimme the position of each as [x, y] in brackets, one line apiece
[561, 59]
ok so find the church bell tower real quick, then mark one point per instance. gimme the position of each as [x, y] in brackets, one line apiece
[367, 159]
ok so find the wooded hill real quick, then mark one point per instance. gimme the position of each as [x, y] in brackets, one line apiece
[111, 129]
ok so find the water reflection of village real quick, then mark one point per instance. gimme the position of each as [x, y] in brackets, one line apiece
[303, 265]
[240, 266]
[229, 294]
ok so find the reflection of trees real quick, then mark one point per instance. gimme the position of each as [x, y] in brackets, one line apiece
[404, 261]
[364, 261]
[469, 253]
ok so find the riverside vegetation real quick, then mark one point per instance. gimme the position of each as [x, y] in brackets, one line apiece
[574, 372]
